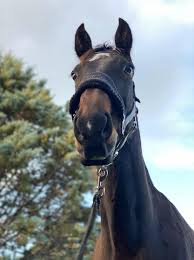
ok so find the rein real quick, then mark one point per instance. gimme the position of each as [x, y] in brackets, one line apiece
[102, 174]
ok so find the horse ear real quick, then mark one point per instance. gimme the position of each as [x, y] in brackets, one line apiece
[123, 37]
[82, 41]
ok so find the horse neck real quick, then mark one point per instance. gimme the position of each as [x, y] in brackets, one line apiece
[127, 209]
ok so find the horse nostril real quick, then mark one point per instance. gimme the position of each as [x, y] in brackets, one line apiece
[108, 127]
[79, 136]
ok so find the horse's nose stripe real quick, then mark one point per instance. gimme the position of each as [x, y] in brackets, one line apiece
[99, 55]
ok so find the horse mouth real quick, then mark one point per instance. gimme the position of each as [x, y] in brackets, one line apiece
[94, 161]
[96, 152]
[94, 155]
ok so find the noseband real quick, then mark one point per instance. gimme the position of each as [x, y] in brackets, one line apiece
[103, 82]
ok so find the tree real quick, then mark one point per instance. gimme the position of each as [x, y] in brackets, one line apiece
[43, 187]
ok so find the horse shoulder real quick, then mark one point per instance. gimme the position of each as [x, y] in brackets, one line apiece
[176, 235]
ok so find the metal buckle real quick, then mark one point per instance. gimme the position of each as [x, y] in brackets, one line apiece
[74, 115]
[102, 175]
[123, 125]
[135, 122]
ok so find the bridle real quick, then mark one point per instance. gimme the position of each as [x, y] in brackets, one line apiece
[128, 127]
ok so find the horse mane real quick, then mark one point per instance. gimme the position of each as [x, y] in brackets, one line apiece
[108, 46]
[104, 47]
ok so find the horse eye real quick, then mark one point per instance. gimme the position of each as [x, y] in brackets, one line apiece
[73, 75]
[129, 70]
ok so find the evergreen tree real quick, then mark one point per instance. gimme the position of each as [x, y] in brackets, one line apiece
[43, 187]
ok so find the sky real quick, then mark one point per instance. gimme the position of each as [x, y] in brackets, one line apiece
[41, 32]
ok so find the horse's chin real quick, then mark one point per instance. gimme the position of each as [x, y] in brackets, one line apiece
[96, 158]
[97, 161]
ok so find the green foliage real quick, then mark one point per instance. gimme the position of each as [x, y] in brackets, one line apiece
[42, 184]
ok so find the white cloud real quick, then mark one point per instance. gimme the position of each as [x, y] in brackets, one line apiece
[176, 11]
[169, 155]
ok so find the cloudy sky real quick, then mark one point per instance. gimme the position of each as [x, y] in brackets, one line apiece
[42, 33]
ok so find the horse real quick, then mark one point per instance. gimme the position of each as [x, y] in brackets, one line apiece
[137, 221]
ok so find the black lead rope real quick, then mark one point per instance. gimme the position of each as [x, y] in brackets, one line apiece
[100, 189]
[90, 225]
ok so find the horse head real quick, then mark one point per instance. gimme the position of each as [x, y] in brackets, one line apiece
[103, 106]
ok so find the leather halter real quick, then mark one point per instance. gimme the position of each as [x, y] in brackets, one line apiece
[102, 81]
[130, 125]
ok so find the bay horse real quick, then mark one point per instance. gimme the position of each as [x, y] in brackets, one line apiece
[137, 221]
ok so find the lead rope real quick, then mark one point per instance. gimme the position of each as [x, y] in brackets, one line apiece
[100, 190]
